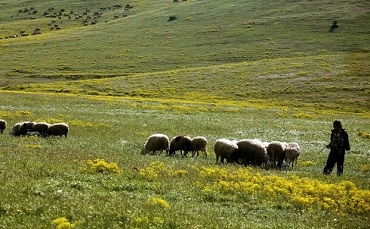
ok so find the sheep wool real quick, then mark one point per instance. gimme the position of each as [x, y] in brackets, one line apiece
[292, 153]
[2, 125]
[198, 143]
[250, 152]
[27, 126]
[276, 153]
[41, 127]
[157, 142]
[224, 148]
[58, 129]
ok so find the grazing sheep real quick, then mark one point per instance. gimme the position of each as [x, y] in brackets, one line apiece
[41, 127]
[27, 126]
[18, 129]
[58, 129]
[15, 130]
[2, 125]
[224, 148]
[157, 142]
[198, 143]
[181, 143]
[250, 152]
[291, 153]
[33, 133]
[242, 155]
[276, 153]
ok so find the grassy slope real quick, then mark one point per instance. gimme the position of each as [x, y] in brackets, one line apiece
[209, 35]
[205, 33]
[209, 73]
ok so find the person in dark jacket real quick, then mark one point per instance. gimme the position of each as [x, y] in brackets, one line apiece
[339, 143]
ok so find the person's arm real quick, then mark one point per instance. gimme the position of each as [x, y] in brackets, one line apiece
[331, 139]
[346, 141]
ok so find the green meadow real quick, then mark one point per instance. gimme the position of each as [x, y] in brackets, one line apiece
[221, 69]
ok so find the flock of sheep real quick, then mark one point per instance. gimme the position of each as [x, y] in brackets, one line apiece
[39, 129]
[184, 144]
[273, 154]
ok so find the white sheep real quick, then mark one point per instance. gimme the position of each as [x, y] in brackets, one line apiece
[198, 143]
[259, 153]
[250, 152]
[180, 143]
[58, 129]
[292, 153]
[224, 149]
[41, 127]
[157, 142]
[276, 153]
[2, 125]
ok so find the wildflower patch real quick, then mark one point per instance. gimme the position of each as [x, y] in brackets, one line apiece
[158, 203]
[302, 193]
[101, 166]
[62, 223]
[156, 168]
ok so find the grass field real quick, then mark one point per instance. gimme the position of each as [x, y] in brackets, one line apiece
[221, 69]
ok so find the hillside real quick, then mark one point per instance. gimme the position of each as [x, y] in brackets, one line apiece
[204, 33]
[232, 50]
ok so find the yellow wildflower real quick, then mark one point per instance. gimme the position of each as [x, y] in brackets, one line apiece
[158, 202]
[62, 223]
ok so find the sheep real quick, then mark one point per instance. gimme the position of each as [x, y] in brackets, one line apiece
[181, 143]
[2, 125]
[276, 153]
[250, 152]
[198, 143]
[224, 148]
[157, 142]
[291, 153]
[21, 128]
[58, 129]
[14, 131]
[18, 129]
[41, 127]
[27, 126]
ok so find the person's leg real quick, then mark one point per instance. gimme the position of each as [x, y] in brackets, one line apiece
[330, 162]
[340, 163]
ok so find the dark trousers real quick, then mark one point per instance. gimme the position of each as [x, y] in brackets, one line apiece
[335, 157]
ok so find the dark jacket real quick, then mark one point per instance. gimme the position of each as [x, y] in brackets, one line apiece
[339, 140]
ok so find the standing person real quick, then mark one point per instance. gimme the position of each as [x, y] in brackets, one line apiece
[339, 143]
